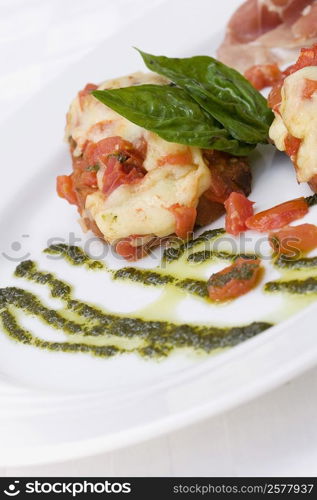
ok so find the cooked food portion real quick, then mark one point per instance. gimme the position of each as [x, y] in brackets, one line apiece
[207, 105]
[132, 187]
[258, 27]
[294, 101]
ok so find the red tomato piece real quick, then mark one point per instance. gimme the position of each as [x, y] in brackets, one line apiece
[185, 219]
[308, 57]
[234, 280]
[263, 75]
[99, 151]
[182, 158]
[294, 240]
[117, 174]
[128, 251]
[86, 91]
[278, 216]
[238, 210]
[65, 188]
[292, 145]
[310, 88]
[89, 178]
[122, 160]
[275, 96]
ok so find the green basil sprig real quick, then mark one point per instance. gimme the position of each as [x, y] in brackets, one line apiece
[173, 115]
[211, 106]
[222, 91]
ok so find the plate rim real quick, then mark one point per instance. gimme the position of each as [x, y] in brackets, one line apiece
[82, 448]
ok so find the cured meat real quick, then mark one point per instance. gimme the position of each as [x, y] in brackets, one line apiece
[258, 27]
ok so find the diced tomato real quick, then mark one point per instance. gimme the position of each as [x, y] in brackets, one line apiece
[238, 210]
[117, 174]
[310, 88]
[84, 181]
[86, 91]
[65, 188]
[185, 219]
[275, 96]
[292, 145]
[99, 151]
[128, 251]
[308, 57]
[182, 158]
[234, 280]
[89, 178]
[293, 240]
[278, 216]
[263, 75]
[89, 87]
[122, 160]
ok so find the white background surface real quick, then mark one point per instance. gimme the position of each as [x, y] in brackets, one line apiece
[273, 435]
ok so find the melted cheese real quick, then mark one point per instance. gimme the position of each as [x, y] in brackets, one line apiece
[90, 120]
[140, 208]
[298, 116]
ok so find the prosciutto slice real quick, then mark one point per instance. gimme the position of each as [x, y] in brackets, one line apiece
[259, 27]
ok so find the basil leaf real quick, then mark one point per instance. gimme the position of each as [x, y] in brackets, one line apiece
[173, 115]
[221, 91]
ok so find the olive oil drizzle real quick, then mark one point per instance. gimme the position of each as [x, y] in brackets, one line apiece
[153, 338]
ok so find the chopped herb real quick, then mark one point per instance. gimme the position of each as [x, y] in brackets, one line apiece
[121, 157]
[93, 168]
[311, 200]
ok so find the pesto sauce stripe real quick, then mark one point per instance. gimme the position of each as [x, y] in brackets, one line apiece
[172, 253]
[74, 255]
[152, 278]
[295, 264]
[306, 286]
[16, 332]
[205, 255]
[158, 338]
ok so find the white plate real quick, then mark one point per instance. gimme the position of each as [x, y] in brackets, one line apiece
[59, 406]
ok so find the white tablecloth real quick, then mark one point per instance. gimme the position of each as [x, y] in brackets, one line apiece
[274, 434]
